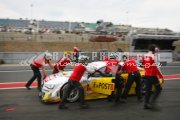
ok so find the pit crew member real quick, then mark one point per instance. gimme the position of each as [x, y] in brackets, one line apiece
[114, 68]
[152, 73]
[61, 63]
[36, 65]
[74, 79]
[76, 53]
[130, 67]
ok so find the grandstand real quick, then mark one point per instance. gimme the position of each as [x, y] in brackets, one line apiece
[85, 28]
[12, 24]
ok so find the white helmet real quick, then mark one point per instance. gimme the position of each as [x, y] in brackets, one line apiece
[83, 58]
[113, 56]
[156, 49]
[48, 56]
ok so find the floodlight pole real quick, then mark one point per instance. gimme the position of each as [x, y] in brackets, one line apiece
[31, 11]
[69, 27]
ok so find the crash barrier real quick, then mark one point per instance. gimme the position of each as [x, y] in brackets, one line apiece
[16, 57]
[28, 57]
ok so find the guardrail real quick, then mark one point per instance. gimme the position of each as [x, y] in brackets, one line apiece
[16, 57]
[27, 57]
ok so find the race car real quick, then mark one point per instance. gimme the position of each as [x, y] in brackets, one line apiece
[97, 85]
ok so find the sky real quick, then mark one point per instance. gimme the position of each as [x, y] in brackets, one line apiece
[138, 13]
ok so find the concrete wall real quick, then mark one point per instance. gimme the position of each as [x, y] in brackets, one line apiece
[48, 37]
[44, 37]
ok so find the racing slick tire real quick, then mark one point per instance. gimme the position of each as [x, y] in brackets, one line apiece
[73, 96]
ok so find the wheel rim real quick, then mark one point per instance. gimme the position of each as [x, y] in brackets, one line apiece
[74, 95]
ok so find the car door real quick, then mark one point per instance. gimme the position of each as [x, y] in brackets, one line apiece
[100, 83]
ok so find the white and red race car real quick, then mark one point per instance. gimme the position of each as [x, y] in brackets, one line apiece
[96, 85]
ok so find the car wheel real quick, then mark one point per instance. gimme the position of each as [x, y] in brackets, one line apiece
[73, 96]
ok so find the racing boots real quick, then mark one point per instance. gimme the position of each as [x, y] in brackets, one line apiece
[27, 87]
[39, 88]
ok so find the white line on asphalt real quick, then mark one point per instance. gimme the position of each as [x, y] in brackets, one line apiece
[169, 66]
[171, 75]
[14, 88]
[172, 79]
[12, 82]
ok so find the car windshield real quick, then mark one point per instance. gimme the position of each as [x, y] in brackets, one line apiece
[99, 73]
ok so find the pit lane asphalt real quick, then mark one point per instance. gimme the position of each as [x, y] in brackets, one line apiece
[23, 73]
[22, 104]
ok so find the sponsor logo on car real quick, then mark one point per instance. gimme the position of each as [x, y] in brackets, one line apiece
[102, 87]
